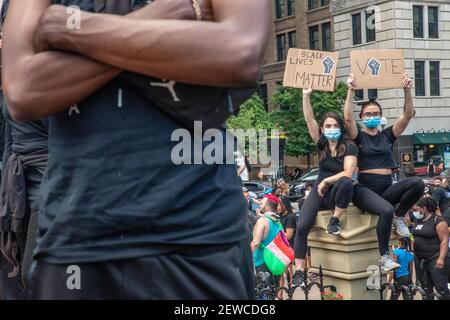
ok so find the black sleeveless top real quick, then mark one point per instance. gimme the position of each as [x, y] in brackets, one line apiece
[112, 190]
[426, 239]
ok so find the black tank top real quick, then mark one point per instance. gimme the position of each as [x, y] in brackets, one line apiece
[426, 239]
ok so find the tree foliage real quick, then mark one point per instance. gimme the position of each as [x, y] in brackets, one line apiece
[287, 115]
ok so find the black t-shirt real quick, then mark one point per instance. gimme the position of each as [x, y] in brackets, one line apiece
[442, 196]
[25, 137]
[289, 221]
[331, 166]
[112, 190]
[426, 239]
[375, 152]
[446, 216]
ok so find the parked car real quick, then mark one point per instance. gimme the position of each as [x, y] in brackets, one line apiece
[297, 187]
[257, 188]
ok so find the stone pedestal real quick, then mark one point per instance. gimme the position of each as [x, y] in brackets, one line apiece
[348, 260]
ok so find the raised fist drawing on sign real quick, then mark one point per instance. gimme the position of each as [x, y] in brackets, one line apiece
[328, 65]
[375, 67]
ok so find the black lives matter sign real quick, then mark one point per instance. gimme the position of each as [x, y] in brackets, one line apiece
[309, 68]
[378, 69]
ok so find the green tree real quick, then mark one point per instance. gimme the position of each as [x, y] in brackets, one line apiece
[252, 115]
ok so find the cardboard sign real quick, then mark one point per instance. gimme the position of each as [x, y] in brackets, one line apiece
[305, 68]
[378, 69]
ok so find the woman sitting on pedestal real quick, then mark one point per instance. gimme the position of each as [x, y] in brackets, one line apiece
[376, 192]
[334, 187]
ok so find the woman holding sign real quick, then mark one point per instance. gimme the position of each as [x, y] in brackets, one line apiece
[334, 187]
[375, 192]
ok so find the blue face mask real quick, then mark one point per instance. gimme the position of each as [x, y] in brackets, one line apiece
[372, 122]
[332, 134]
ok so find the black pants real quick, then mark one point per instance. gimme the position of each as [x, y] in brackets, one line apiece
[339, 195]
[430, 277]
[210, 272]
[398, 283]
[377, 195]
[274, 280]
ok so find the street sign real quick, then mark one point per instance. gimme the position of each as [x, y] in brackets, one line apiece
[406, 159]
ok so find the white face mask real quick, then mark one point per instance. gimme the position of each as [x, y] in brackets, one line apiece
[417, 215]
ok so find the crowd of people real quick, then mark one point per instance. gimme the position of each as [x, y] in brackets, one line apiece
[356, 166]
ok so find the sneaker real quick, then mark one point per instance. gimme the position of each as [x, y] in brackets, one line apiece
[387, 263]
[401, 227]
[298, 279]
[334, 226]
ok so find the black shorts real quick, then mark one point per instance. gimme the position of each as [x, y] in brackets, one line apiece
[210, 272]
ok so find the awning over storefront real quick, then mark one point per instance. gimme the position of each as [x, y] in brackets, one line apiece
[431, 138]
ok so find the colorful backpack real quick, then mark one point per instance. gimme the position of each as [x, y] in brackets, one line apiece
[278, 254]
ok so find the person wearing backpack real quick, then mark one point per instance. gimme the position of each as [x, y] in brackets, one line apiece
[265, 233]
[430, 246]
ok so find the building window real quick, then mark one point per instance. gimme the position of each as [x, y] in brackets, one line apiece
[324, 2]
[312, 4]
[435, 88]
[291, 7]
[359, 95]
[419, 75]
[292, 39]
[262, 92]
[326, 36]
[370, 26]
[281, 47]
[373, 93]
[314, 38]
[433, 22]
[418, 21]
[356, 23]
[279, 8]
